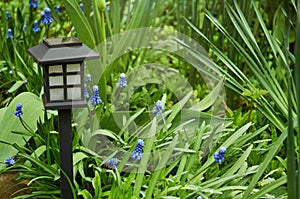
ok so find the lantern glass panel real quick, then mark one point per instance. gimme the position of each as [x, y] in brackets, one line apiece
[56, 94]
[55, 69]
[73, 79]
[56, 81]
[73, 68]
[74, 93]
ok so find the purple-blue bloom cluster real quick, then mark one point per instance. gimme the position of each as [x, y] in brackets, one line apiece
[47, 19]
[138, 151]
[10, 73]
[24, 27]
[95, 98]
[158, 108]
[7, 15]
[9, 161]
[9, 33]
[88, 77]
[122, 82]
[81, 7]
[36, 27]
[111, 164]
[199, 197]
[85, 91]
[34, 3]
[18, 112]
[57, 9]
[219, 157]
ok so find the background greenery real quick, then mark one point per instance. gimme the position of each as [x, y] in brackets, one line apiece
[251, 43]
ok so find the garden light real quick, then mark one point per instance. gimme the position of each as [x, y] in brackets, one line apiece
[62, 60]
[63, 66]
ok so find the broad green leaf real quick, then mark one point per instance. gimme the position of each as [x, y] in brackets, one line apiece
[32, 112]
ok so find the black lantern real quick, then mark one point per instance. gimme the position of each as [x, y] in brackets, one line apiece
[63, 66]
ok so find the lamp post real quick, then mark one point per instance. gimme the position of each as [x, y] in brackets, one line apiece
[62, 60]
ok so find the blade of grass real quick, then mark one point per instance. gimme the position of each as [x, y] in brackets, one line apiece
[272, 186]
[162, 163]
[262, 167]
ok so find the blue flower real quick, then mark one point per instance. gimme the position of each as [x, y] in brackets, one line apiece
[57, 9]
[107, 8]
[85, 91]
[219, 157]
[222, 150]
[95, 99]
[158, 108]
[25, 81]
[199, 197]
[36, 27]
[111, 164]
[81, 7]
[10, 73]
[47, 19]
[33, 3]
[122, 82]
[9, 161]
[138, 151]
[24, 27]
[7, 15]
[88, 77]
[9, 33]
[18, 112]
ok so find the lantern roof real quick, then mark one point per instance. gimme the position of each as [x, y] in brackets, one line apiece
[61, 50]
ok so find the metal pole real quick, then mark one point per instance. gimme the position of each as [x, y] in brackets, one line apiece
[66, 156]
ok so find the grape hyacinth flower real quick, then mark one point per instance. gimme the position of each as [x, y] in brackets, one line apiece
[9, 161]
[47, 19]
[18, 112]
[158, 108]
[25, 28]
[138, 151]
[9, 33]
[199, 197]
[7, 15]
[122, 82]
[85, 91]
[34, 3]
[10, 73]
[219, 157]
[95, 99]
[36, 27]
[81, 7]
[111, 164]
[88, 77]
[57, 9]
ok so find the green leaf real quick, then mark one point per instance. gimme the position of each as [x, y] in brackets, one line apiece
[83, 29]
[85, 194]
[15, 87]
[32, 112]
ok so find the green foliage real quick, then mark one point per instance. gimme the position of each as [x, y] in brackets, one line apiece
[250, 48]
[12, 131]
